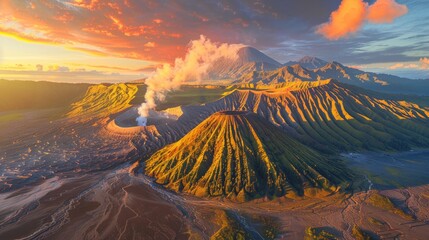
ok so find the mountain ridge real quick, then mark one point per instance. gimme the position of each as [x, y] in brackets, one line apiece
[327, 115]
[249, 59]
[335, 70]
[308, 62]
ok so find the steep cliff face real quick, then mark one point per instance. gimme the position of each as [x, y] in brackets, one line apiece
[239, 155]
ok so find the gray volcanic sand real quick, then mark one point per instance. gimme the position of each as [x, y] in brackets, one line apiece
[41, 145]
[392, 170]
[108, 206]
[117, 205]
[65, 180]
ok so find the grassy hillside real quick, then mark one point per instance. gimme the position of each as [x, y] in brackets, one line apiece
[241, 156]
[283, 87]
[104, 100]
[187, 95]
[335, 116]
[27, 95]
[229, 227]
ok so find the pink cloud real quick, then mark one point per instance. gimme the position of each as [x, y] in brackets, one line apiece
[352, 14]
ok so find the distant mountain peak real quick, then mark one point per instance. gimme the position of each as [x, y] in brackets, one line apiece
[341, 68]
[308, 62]
[250, 54]
[307, 59]
[296, 66]
[337, 63]
[249, 59]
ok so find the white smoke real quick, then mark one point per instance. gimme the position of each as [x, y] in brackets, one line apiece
[202, 53]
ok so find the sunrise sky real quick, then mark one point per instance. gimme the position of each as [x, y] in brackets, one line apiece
[110, 41]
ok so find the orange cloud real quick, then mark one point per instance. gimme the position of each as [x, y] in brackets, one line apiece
[424, 62]
[357, 66]
[65, 17]
[147, 68]
[150, 44]
[150, 68]
[403, 65]
[347, 19]
[385, 11]
[95, 27]
[88, 4]
[131, 30]
[98, 30]
[117, 22]
[352, 14]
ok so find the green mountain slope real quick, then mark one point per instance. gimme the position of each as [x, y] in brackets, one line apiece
[103, 100]
[333, 116]
[241, 156]
[327, 115]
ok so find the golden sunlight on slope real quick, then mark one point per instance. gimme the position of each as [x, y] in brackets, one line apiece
[336, 115]
[103, 100]
[240, 156]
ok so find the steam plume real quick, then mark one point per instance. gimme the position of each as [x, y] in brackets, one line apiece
[202, 53]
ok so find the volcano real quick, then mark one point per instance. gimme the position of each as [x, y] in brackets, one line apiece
[241, 156]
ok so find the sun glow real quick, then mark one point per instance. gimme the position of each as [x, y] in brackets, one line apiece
[22, 59]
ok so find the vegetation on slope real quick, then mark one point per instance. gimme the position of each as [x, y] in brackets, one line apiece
[359, 234]
[103, 100]
[337, 117]
[241, 156]
[383, 202]
[192, 95]
[283, 87]
[229, 228]
[269, 227]
[318, 234]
